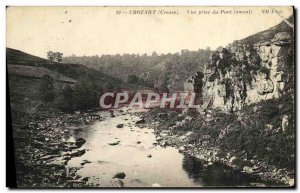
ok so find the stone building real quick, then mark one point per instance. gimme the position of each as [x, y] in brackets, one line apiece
[24, 81]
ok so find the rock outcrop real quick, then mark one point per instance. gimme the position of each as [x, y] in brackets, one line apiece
[242, 74]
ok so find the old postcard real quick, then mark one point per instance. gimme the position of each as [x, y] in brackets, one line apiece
[152, 97]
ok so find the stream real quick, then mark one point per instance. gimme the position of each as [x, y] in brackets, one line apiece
[134, 151]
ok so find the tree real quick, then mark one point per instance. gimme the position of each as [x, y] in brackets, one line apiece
[86, 94]
[55, 56]
[46, 89]
[132, 79]
[65, 99]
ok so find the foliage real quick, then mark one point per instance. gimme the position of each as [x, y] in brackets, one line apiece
[64, 99]
[134, 80]
[150, 68]
[86, 93]
[46, 89]
[54, 56]
[253, 137]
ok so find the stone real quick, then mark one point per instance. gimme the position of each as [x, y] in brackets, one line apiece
[95, 116]
[248, 170]
[85, 162]
[232, 159]
[282, 36]
[149, 155]
[181, 149]
[142, 121]
[291, 182]
[120, 175]
[120, 126]
[158, 138]
[285, 123]
[265, 87]
[79, 142]
[114, 143]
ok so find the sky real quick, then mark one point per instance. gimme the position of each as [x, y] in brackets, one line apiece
[99, 30]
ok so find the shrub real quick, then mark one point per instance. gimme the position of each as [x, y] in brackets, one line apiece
[46, 89]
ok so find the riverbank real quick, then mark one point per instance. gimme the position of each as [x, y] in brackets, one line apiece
[47, 141]
[44, 142]
[250, 141]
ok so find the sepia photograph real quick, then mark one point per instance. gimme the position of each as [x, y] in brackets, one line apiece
[151, 97]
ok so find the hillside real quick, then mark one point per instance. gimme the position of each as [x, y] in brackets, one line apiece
[74, 71]
[268, 34]
[161, 71]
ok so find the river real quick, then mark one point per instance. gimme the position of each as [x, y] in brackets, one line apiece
[133, 150]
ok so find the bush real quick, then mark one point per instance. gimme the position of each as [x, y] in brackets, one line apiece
[273, 146]
[86, 94]
[134, 80]
[46, 89]
[65, 99]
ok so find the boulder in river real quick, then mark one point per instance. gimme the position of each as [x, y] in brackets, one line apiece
[85, 162]
[181, 149]
[142, 121]
[79, 142]
[114, 143]
[120, 126]
[120, 175]
[75, 154]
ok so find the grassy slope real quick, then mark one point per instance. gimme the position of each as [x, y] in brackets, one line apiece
[74, 71]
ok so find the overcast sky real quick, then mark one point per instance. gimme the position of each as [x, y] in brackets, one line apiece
[98, 30]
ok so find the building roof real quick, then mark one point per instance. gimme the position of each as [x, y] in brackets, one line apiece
[37, 72]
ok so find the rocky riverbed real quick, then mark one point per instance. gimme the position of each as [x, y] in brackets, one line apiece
[207, 149]
[44, 143]
[123, 148]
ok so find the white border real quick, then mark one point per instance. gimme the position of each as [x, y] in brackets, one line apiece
[3, 4]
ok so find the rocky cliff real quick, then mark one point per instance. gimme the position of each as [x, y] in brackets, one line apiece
[241, 74]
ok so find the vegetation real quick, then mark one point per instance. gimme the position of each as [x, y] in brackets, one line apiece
[64, 99]
[86, 94]
[46, 89]
[137, 81]
[254, 132]
[54, 56]
[260, 133]
[74, 71]
[148, 70]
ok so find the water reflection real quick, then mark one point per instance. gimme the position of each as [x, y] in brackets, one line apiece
[166, 166]
[216, 174]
